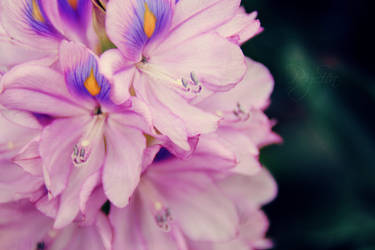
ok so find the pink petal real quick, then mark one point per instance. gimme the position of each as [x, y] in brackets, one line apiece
[38, 89]
[252, 92]
[124, 24]
[16, 184]
[56, 147]
[196, 120]
[249, 192]
[72, 24]
[122, 167]
[162, 118]
[29, 158]
[204, 55]
[113, 66]
[135, 228]
[245, 150]
[241, 27]
[191, 197]
[76, 237]
[22, 226]
[18, 25]
[14, 53]
[82, 181]
[195, 17]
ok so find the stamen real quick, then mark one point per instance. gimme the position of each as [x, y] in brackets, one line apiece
[73, 4]
[92, 85]
[149, 22]
[82, 150]
[240, 113]
[163, 217]
[36, 12]
[192, 85]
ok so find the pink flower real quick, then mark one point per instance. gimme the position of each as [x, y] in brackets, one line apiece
[180, 206]
[170, 54]
[22, 227]
[33, 29]
[15, 182]
[241, 27]
[90, 140]
[244, 126]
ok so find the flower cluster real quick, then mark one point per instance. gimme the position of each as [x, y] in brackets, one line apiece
[132, 124]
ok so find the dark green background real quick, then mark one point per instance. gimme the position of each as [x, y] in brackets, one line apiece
[321, 55]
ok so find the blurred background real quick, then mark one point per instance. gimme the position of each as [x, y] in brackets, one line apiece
[321, 55]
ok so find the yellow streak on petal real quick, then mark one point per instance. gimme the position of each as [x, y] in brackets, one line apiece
[73, 3]
[37, 13]
[92, 85]
[149, 23]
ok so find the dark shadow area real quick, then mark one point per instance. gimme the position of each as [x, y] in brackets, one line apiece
[320, 54]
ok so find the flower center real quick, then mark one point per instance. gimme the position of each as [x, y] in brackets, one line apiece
[82, 150]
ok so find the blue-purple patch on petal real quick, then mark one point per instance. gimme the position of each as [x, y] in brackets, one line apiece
[77, 15]
[77, 77]
[136, 37]
[37, 19]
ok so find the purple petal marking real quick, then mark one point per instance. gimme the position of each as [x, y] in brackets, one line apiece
[77, 17]
[43, 28]
[76, 78]
[136, 37]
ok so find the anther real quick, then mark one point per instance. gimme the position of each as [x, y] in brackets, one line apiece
[163, 217]
[193, 85]
[240, 113]
[80, 154]
[82, 150]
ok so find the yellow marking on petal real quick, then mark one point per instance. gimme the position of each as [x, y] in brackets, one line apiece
[92, 85]
[73, 3]
[149, 23]
[37, 13]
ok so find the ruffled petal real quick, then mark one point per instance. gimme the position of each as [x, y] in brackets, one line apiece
[123, 163]
[241, 27]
